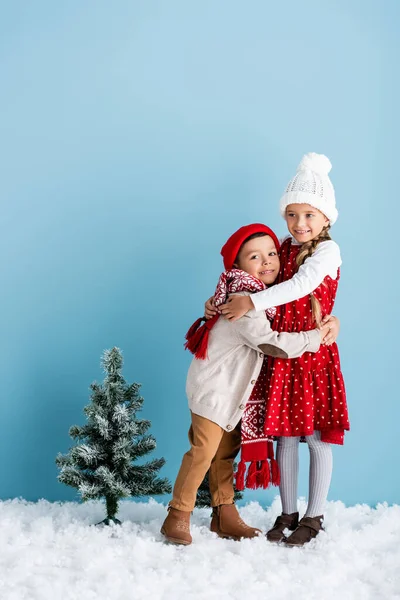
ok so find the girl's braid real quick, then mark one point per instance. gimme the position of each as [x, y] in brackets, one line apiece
[307, 249]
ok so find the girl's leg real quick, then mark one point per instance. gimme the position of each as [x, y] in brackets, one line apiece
[320, 474]
[287, 455]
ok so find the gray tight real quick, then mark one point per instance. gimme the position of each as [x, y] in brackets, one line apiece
[320, 473]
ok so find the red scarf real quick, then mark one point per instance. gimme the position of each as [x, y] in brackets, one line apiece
[256, 448]
[230, 282]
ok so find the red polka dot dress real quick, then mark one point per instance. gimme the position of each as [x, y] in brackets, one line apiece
[307, 393]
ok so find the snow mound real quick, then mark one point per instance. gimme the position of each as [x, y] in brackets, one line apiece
[49, 551]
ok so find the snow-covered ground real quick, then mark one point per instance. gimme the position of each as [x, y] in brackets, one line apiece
[50, 552]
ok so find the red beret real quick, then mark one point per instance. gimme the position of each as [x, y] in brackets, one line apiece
[231, 248]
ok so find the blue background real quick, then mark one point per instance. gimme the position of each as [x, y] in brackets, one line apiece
[135, 138]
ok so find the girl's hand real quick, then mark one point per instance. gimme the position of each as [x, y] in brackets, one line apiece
[333, 324]
[236, 307]
[209, 309]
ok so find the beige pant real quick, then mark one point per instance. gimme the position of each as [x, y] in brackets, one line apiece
[214, 449]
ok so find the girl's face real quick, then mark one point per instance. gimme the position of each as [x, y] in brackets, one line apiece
[259, 258]
[305, 222]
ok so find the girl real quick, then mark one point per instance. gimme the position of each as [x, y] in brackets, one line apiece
[305, 397]
[228, 359]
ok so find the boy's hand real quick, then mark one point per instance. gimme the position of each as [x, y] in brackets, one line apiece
[333, 325]
[323, 330]
[236, 307]
[209, 309]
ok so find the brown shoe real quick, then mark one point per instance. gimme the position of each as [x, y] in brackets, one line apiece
[283, 522]
[226, 523]
[176, 527]
[307, 530]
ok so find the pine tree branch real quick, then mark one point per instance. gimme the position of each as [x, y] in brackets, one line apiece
[155, 487]
[77, 432]
[147, 471]
[132, 393]
[87, 456]
[98, 396]
[143, 425]
[74, 476]
[90, 491]
[111, 482]
[121, 415]
[63, 460]
[143, 446]
[103, 426]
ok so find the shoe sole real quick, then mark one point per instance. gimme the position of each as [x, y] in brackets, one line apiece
[295, 545]
[282, 539]
[176, 541]
[228, 537]
[224, 536]
[300, 545]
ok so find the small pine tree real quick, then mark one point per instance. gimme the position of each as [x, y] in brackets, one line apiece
[203, 498]
[101, 463]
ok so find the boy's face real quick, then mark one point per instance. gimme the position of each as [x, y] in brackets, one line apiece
[259, 258]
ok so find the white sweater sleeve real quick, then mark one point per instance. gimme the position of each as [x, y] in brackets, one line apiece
[324, 261]
[254, 330]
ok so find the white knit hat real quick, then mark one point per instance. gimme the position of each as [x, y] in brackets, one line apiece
[311, 185]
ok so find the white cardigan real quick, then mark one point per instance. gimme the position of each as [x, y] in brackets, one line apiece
[219, 386]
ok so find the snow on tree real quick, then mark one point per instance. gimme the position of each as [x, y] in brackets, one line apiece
[102, 462]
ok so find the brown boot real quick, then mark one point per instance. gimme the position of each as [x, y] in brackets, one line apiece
[226, 523]
[283, 522]
[307, 530]
[176, 527]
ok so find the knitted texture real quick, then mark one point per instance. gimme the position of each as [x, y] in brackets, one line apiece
[229, 282]
[311, 185]
[230, 249]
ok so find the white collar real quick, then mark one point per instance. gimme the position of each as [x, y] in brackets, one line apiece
[294, 242]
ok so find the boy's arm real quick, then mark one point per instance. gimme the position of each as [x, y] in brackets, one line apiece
[255, 331]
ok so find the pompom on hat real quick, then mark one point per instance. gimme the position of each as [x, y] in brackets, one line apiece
[311, 185]
[230, 249]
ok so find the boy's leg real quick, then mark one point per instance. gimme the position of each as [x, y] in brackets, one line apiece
[204, 437]
[226, 521]
[221, 469]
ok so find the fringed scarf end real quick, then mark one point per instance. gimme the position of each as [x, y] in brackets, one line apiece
[264, 475]
[275, 471]
[239, 476]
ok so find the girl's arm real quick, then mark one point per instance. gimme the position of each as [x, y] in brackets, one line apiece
[324, 261]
